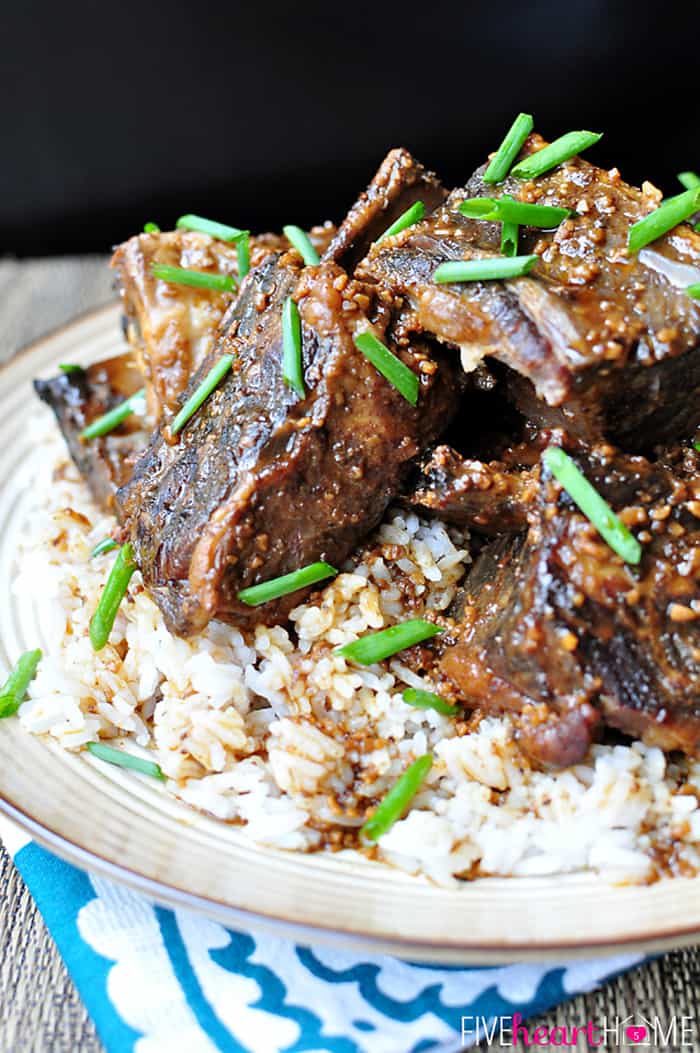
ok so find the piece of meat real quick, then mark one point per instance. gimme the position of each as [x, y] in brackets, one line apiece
[595, 341]
[399, 182]
[559, 630]
[490, 496]
[80, 397]
[260, 482]
[172, 327]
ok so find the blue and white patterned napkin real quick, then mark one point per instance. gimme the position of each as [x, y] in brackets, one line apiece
[163, 981]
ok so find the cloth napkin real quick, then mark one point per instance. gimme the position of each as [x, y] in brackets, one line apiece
[163, 981]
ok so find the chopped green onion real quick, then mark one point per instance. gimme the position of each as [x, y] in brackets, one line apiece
[287, 583]
[70, 367]
[397, 800]
[106, 545]
[15, 687]
[506, 209]
[562, 149]
[697, 446]
[593, 506]
[102, 621]
[220, 231]
[201, 393]
[151, 228]
[243, 254]
[510, 232]
[502, 162]
[378, 646]
[125, 760]
[668, 215]
[112, 419]
[690, 180]
[196, 279]
[292, 364]
[694, 291]
[412, 215]
[302, 243]
[385, 362]
[484, 270]
[427, 700]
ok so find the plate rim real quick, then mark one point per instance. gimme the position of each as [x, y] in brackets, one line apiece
[228, 914]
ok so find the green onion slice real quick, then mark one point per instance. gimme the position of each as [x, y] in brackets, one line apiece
[690, 180]
[243, 255]
[112, 419]
[412, 215]
[389, 365]
[282, 586]
[397, 800]
[668, 215]
[15, 687]
[220, 231]
[593, 506]
[196, 279]
[562, 149]
[697, 446]
[500, 165]
[151, 228]
[102, 621]
[485, 270]
[125, 760]
[507, 210]
[378, 646]
[106, 545]
[292, 364]
[427, 700]
[70, 367]
[510, 233]
[302, 243]
[201, 393]
[694, 291]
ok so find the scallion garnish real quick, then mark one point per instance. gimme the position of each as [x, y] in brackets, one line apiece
[668, 215]
[102, 621]
[696, 445]
[302, 243]
[220, 231]
[397, 800]
[114, 417]
[389, 365]
[243, 254]
[282, 586]
[690, 180]
[510, 232]
[196, 279]
[378, 646]
[484, 270]
[594, 507]
[201, 393]
[507, 210]
[106, 545]
[502, 162]
[70, 367]
[427, 700]
[292, 363]
[151, 228]
[412, 215]
[125, 760]
[15, 687]
[694, 291]
[562, 149]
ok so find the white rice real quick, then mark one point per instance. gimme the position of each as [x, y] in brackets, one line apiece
[293, 742]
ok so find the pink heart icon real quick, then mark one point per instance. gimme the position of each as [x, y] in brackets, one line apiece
[636, 1033]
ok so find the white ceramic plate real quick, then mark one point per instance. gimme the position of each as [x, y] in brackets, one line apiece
[112, 823]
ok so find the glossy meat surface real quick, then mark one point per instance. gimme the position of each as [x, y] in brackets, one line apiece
[595, 340]
[261, 483]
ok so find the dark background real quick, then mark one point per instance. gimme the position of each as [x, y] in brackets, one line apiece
[261, 114]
